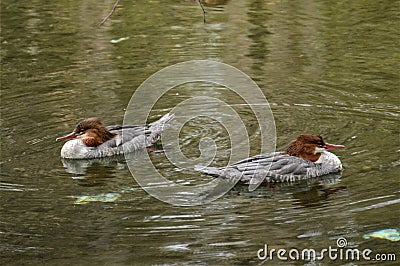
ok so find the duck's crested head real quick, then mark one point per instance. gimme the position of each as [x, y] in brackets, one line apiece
[91, 131]
[89, 123]
[309, 146]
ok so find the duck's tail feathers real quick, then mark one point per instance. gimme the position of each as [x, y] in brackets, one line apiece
[163, 121]
[157, 127]
[213, 171]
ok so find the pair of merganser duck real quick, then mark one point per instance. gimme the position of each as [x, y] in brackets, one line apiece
[306, 157]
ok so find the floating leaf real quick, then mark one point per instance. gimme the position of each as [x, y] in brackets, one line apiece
[103, 197]
[388, 234]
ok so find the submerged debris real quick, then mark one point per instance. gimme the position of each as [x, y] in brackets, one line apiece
[119, 40]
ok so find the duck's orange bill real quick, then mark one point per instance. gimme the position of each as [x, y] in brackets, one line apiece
[333, 146]
[67, 137]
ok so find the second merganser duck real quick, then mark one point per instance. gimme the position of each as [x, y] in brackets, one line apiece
[91, 139]
[306, 157]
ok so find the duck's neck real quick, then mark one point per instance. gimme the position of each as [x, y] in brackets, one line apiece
[97, 136]
[303, 151]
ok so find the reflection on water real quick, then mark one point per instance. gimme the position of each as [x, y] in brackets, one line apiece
[325, 67]
[79, 167]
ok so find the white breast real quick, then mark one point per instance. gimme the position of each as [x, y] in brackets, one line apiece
[75, 149]
[330, 161]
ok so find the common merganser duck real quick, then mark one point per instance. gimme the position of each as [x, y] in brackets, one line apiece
[91, 139]
[306, 157]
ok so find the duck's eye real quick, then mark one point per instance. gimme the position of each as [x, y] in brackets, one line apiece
[79, 131]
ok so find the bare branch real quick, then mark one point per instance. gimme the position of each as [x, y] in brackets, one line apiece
[111, 12]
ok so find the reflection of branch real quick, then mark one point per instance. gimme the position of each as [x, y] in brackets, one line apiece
[204, 11]
[117, 3]
[111, 12]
